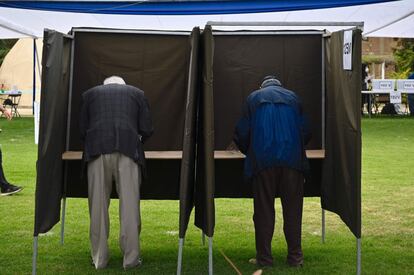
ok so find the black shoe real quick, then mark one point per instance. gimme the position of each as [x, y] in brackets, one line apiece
[295, 265]
[10, 189]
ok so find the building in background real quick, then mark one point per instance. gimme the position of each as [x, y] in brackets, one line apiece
[378, 54]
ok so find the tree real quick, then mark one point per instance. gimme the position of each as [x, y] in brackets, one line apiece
[404, 58]
[5, 46]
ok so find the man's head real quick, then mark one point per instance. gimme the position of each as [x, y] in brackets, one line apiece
[270, 79]
[114, 80]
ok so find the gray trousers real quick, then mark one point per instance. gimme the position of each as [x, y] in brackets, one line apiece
[127, 176]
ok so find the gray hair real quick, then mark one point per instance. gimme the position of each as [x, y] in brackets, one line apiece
[114, 80]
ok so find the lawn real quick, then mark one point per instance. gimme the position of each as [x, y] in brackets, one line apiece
[387, 218]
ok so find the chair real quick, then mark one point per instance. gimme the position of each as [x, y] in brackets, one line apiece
[13, 101]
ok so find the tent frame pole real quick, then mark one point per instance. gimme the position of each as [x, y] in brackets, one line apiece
[210, 255]
[203, 238]
[62, 224]
[180, 255]
[34, 259]
[34, 74]
[323, 225]
[358, 256]
[69, 113]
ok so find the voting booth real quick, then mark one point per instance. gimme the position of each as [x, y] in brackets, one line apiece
[163, 65]
[312, 63]
[198, 162]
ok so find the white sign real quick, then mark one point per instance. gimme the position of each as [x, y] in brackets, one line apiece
[383, 85]
[405, 85]
[395, 97]
[347, 50]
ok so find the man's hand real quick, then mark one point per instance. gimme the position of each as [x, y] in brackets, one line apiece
[7, 114]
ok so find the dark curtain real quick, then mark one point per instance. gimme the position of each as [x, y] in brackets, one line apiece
[204, 191]
[187, 174]
[233, 66]
[341, 183]
[52, 129]
[157, 63]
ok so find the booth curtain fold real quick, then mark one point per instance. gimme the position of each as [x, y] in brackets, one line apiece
[187, 174]
[204, 191]
[341, 180]
[52, 136]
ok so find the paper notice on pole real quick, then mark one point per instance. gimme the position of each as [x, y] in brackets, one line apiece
[347, 50]
[395, 97]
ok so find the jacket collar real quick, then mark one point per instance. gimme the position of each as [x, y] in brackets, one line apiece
[270, 82]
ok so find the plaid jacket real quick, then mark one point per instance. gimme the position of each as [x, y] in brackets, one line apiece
[115, 118]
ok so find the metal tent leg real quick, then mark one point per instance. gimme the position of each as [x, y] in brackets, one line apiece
[323, 225]
[34, 260]
[180, 255]
[62, 225]
[210, 255]
[358, 256]
[203, 238]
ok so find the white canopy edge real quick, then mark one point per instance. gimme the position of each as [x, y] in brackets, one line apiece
[390, 19]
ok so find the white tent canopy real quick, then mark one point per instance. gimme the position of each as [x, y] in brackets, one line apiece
[390, 19]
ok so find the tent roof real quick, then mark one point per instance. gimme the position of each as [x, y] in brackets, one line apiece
[15, 23]
[181, 7]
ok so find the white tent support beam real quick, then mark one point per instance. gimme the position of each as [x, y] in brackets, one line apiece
[38, 63]
[34, 260]
[62, 224]
[390, 23]
[4, 23]
[210, 255]
[62, 232]
[34, 74]
[287, 24]
[180, 255]
[358, 256]
[323, 225]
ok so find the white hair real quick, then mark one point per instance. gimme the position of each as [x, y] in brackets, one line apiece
[114, 80]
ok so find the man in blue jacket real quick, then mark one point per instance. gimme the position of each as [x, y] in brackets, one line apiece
[272, 133]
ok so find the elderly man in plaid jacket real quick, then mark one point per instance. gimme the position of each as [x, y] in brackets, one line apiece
[115, 122]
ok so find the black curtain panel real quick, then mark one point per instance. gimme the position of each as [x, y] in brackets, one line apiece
[341, 184]
[164, 65]
[187, 174]
[52, 130]
[233, 66]
[204, 189]
[158, 63]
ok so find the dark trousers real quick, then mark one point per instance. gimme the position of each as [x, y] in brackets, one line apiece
[286, 183]
[3, 182]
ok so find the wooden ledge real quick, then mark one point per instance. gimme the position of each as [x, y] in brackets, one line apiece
[77, 155]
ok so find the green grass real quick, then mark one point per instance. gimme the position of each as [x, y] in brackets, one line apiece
[387, 213]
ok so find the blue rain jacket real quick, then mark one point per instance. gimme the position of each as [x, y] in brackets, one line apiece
[272, 130]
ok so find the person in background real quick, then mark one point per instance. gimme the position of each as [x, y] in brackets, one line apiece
[366, 86]
[6, 188]
[410, 98]
[272, 134]
[115, 121]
